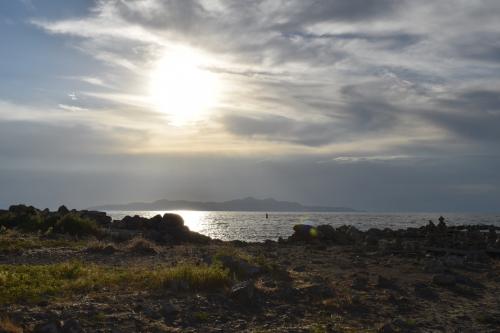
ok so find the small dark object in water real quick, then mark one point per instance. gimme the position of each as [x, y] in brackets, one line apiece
[267, 216]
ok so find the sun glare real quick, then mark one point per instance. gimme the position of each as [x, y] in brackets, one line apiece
[182, 87]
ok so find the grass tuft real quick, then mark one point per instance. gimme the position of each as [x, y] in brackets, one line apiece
[101, 248]
[140, 245]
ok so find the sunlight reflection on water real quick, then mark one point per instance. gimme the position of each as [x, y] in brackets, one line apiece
[253, 226]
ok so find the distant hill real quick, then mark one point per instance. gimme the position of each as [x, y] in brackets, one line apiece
[246, 204]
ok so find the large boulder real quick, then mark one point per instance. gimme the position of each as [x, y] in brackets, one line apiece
[135, 222]
[344, 235]
[303, 232]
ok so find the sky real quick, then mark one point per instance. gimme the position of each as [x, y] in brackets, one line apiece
[380, 105]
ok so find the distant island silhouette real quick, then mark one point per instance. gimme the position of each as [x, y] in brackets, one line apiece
[247, 204]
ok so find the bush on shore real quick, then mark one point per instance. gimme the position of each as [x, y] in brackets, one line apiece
[29, 219]
[75, 225]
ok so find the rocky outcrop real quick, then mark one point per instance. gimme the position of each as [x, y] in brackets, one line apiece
[431, 237]
[168, 228]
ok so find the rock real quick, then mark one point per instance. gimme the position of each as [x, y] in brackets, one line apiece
[135, 222]
[398, 322]
[240, 267]
[387, 328]
[453, 261]
[243, 292]
[326, 232]
[385, 283]
[359, 283]
[63, 210]
[300, 268]
[101, 218]
[462, 279]
[441, 225]
[51, 327]
[72, 326]
[316, 291]
[435, 266]
[168, 309]
[371, 242]
[303, 232]
[424, 291]
[22, 210]
[445, 280]
[165, 229]
[151, 313]
[174, 221]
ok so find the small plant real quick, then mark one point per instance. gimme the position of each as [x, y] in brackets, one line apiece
[201, 316]
[140, 245]
[101, 248]
[229, 251]
[317, 328]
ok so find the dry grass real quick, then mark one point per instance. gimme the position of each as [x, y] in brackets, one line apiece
[12, 242]
[32, 283]
[140, 245]
[7, 326]
[101, 248]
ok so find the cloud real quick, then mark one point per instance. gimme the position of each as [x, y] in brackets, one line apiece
[392, 94]
[46, 143]
[71, 108]
[278, 128]
[473, 114]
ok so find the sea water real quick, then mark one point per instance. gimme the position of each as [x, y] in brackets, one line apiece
[254, 227]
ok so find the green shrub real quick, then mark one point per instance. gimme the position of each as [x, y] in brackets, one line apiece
[25, 222]
[5, 220]
[76, 225]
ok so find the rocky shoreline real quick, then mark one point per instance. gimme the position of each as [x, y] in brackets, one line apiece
[435, 278]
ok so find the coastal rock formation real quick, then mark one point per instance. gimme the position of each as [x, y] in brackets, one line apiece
[458, 240]
[168, 228]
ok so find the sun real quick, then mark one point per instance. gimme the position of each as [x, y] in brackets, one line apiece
[182, 87]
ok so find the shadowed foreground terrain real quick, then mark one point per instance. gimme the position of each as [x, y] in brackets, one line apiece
[78, 271]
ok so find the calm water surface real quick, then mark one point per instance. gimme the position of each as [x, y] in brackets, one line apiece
[253, 226]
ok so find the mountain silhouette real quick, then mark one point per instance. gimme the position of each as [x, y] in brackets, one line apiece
[246, 204]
